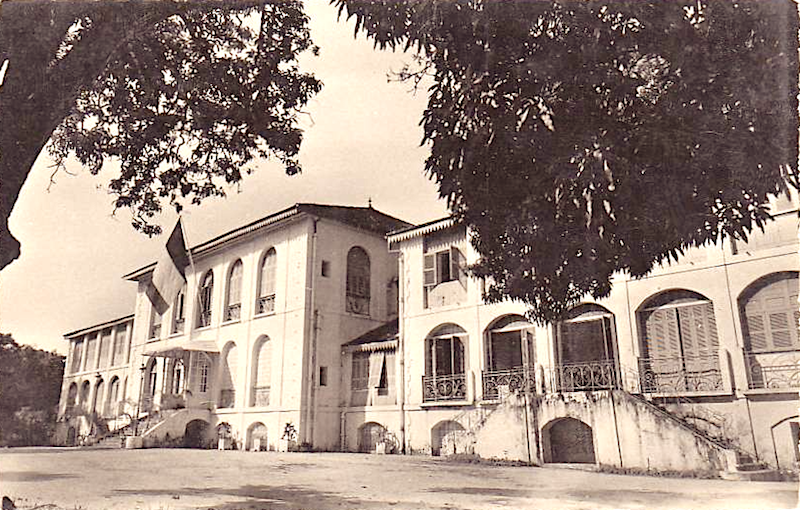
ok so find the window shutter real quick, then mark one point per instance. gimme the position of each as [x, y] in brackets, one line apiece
[661, 333]
[771, 317]
[429, 270]
[376, 361]
[457, 269]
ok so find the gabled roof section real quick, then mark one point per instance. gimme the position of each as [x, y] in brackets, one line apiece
[363, 218]
[380, 338]
[96, 327]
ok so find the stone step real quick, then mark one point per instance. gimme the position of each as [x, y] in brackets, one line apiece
[760, 475]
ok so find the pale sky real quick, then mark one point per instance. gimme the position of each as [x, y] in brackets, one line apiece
[361, 141]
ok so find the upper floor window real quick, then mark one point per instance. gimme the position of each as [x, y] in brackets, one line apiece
[358, 281]
[266, 283]
[233, 308]
[206, 292]
[179, 312]
[77, 353]
[91, 352]
[442, 266]
[770, 314]
[104, 348]
[119, 354]
[155, 324]
[445, 366]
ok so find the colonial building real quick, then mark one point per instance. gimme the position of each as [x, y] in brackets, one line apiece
[310, 319]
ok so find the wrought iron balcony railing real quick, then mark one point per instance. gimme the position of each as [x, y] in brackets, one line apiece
[590, 376]
[155, 331]
[227, 398]
[234, 312]
[261, 396]
[773, 370]
[177, 327]
[440, 388]
[204, 319]
[681, 374]
[517, 378]
[266, 304]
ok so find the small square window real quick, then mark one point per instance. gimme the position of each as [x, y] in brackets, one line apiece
[323, 376]
[326, 268]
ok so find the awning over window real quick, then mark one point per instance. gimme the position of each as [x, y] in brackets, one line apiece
[170, 349]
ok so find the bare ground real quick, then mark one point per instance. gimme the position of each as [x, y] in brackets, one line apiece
[231, 480]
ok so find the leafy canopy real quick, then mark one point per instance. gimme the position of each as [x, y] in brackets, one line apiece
[580, 138]
[187, 104]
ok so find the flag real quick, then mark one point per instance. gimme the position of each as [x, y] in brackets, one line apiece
[169, 276]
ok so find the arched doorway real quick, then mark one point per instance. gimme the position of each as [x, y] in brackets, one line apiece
[445, 432]
[570, 441]
[257, 437]
[225, 436]
[509, 353]
[369, 435]
[194, 436]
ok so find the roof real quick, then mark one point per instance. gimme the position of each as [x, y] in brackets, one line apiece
[98, 326]
[412, 231]
[384, 336]
[363, 218]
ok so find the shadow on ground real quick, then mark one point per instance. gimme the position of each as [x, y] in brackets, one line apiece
[32, 476]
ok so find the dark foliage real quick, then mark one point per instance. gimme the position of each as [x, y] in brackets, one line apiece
[578, 139]
[30, 387]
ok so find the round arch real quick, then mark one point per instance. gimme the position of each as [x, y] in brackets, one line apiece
[568, 440]
[769, 314]
[196, 434]
[257, 437]
[446, 434]
[229, 363]
[369, 435]
[72, 395]
[445, 363]
[261, 372]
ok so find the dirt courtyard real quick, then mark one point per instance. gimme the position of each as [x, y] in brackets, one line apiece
[230, 480]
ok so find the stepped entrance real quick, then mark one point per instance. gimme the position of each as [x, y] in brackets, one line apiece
[568, 441]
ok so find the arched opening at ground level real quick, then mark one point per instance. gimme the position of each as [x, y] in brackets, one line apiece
[445, 432]
[369, 435]
[568, 441]
[72, 436]
[196, 434]
[257, 437]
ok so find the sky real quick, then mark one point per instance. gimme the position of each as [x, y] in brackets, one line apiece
[362, 141]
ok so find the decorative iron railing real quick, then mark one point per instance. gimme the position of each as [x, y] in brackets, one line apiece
[234, 312]
[227, 398]
[177, 327]
[438, 388]
[204, 319]
[266, 304]
[681, 374]
[358, 304]
[773, 370]
[517, 378]
[261, 396]
[590, 376]
[155, 331]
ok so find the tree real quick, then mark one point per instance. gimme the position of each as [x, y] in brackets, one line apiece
[30, 387]
[183, 94]
[581, 138]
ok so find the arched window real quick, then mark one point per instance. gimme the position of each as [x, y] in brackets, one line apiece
[358, 281]
[151, 381]
[121, 348]
[227, 395]
[97, 402]
[770, 314]
[206, 293]
[233, 307]
[266, 283]
[178, 377]
[509, 348]
[91, 352]
[179, 311]
[262, 376]
[585, 349]
[445, 377]
[77, 352]
[679, 343]
[85, 390]
[72, 396]
[113, 396]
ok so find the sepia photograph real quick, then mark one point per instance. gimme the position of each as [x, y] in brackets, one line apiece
[399, 255]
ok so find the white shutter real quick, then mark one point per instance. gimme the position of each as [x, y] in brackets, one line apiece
[429, 270]
[376, 361]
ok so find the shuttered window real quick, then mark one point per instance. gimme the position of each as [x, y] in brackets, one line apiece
[771, 316]
[360, 371]
[358, 281]
[233, 309]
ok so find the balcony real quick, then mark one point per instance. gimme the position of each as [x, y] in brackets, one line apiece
[444, 388]
[261, 396]
[681, 374]
[517, 378]
[234, 312]
[204, 319]
[773, 370]
[266, 304]
[227, 398]
[590, 376]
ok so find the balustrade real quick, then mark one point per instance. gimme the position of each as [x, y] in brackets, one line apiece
[517, 378]
[590, 376]
[773, 370]
[437, 388]
[266, 304]
[681, 374]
